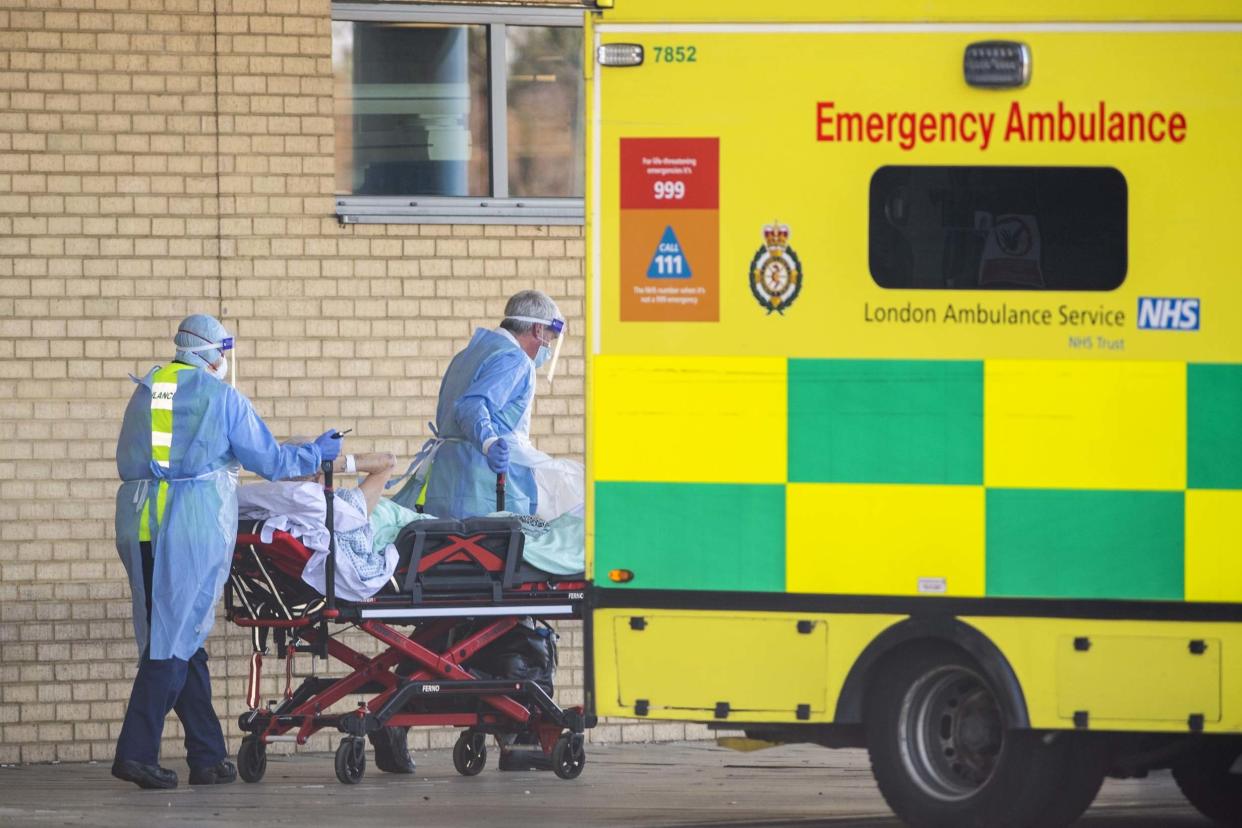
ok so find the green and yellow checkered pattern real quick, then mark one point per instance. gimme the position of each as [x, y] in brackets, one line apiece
[1022, 478]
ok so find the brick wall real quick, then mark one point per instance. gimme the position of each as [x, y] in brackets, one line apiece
[162, 157]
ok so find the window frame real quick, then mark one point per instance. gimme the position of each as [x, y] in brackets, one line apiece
[499, 207]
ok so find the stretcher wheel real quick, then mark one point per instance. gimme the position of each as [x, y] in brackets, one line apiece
[252, 759]
[569, 756]
[351, 760]
[470, 753]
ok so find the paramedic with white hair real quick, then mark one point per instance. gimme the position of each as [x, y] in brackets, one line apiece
[482, 426]
[184, 434]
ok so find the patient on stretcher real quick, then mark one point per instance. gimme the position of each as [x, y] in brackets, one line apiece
[367, 525]
[298, 507]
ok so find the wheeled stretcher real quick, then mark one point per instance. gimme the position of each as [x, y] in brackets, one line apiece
[461, 591]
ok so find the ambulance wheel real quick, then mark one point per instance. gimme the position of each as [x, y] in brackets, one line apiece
[351, 760]
[1084, 763]
[470, 753]
[943, 757]
[569, 756]
[252, 759]
[1206, 780]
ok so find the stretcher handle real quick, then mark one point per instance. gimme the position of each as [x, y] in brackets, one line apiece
[500, 492]
[329, 565]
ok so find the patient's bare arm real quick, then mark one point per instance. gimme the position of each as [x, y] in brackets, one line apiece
[377, 467]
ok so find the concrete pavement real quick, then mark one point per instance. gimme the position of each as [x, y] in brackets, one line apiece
[672, 785]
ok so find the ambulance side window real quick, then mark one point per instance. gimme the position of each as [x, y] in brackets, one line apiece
[998, 228]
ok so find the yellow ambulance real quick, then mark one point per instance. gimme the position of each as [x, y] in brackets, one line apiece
[915, 388]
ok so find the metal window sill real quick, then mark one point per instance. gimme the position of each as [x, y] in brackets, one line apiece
[414, 210]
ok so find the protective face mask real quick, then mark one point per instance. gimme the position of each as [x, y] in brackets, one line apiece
[221, 371]
[542, 356]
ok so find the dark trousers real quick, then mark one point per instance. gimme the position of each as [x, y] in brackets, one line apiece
[164, 685]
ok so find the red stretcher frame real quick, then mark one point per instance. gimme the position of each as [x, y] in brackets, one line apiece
[265, 593]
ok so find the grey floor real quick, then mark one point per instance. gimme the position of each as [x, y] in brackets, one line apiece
[686, 784]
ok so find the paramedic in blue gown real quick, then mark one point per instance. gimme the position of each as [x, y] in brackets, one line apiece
[483, 415]
[184, 434]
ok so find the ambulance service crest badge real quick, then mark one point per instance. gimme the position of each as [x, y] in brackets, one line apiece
[775, 272]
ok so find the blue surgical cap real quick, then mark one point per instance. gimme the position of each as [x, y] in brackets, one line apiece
[197, 331]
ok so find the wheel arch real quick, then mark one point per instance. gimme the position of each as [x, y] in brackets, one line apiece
[946, 629]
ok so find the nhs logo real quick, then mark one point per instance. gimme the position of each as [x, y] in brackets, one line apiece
[1159, 313]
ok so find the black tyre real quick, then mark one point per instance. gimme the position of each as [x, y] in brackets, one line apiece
[1205, 779]
[569, 756]
[351, 760]
[252, 759]
[943, 757]
[1074, 785]
[470, 753]
[392, 752]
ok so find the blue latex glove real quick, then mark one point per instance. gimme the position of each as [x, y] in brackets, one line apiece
[329, 446]
[498, 457]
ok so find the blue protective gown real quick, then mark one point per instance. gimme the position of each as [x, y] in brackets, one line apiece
[487, 391]
[214, 428]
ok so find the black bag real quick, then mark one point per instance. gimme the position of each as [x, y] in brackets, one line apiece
[521, 654]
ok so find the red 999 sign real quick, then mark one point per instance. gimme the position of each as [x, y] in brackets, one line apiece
[670, 173]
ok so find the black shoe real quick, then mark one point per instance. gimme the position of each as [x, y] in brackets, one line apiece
[392, 755]
[144, 776]
[220, 774]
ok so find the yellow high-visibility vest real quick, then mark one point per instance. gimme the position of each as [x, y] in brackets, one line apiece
[163, 389]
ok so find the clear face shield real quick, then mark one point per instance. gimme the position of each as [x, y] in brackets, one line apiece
[223, 345]
[557, 327]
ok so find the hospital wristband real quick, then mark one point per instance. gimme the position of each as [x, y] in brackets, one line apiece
[351, 464]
